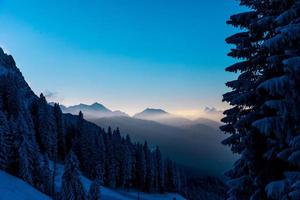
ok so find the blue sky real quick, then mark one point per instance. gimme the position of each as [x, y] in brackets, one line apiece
[128, 55]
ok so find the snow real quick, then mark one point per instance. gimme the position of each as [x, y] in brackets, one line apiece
[295, 158]
[110, 194]
[276, 189]
[295, 143]
[268, 125]
[293, 63]
[295, 195]
[275, 85]
[13, 188]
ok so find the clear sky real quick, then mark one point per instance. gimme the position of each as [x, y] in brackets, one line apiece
[126, 54]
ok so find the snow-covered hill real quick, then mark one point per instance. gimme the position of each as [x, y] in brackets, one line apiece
[12, 188]
[109, 194]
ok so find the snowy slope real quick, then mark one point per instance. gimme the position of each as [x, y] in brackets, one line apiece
[109, 194]
[12, 188]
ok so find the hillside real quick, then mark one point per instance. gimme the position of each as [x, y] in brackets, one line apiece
[12, 188]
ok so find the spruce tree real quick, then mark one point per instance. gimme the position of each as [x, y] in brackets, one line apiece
[264, 119]
[159, 171]
[126, 167]
[110, 161]
[60, 131]
[72, 188]
[94, 191]
[6, 143]
[25, 162]
[140, 167]
[99, 156]
[45, 127]
[149, 168]
[43, 175]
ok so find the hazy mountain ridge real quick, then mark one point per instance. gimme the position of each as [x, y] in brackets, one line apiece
[184, 140]
[196, 145]
[163, 117]
[95, 110]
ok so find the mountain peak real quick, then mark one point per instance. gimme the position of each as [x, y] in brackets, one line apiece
[98, 106]
[7, 62]
[149, 113]
[154, 111]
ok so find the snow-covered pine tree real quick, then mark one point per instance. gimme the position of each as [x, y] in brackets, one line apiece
[119, 155]
[126, 166]
[160, 176]
[58, 133]
[82, 145]
[45, 126]
[281, 81]
[43, 175]
[140, 168]
[264, 119]
[110, 161]
[61, 132]
[6, 143]
[99, 156]
[25, 162]
[170, 183]
[94, 191]
[149, 168]
[72, 188]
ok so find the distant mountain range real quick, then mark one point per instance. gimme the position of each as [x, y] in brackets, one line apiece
[193, 143]
[95, 110]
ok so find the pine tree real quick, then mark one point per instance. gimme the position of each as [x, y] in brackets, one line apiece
[149, 168]
[99, 156]
[58, 133]
[159, 171]
[264, 119]
[61, 132]
[72, 188]
[126, 167]
[26, 147]
[110, 162]
[6, 143]
[45, 126]
[94, 192]
[140, 167]
[170, 182]
[25, 162]
[43, 175]
[118, 151]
